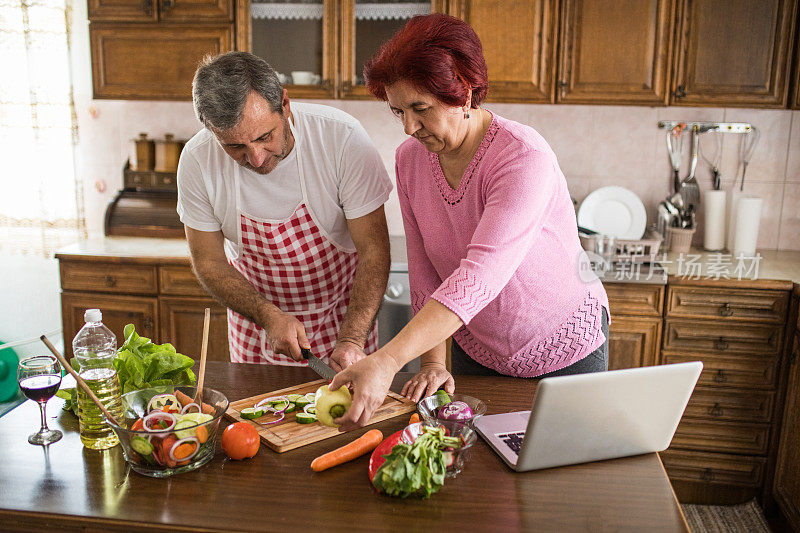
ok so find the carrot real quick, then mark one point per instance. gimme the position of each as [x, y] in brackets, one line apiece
[363, 444]
[201, 433]
[182, 451]
[185, 400]
[166, 443]
[414, 419]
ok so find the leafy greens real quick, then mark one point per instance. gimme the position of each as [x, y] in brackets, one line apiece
[141, 364]
[416, 469]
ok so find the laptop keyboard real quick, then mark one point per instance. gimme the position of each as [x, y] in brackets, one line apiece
[513, 440]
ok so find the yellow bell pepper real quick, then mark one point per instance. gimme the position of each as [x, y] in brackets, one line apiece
[332, 404]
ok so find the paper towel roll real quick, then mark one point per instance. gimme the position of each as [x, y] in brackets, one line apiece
[714, 231]
[748, 215]
[733, 198]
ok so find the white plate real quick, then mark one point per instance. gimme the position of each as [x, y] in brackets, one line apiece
[614, 211]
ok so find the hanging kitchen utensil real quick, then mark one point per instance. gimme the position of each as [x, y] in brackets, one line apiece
[714, 165]
[746, 149]
[675, 151]
[690, 189]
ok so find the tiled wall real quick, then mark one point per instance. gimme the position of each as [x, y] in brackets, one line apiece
[595, 145]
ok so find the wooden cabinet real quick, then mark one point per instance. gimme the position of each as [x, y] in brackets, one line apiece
[519, 44]
[635, 327]
[602, 63]
[787, 470]
[733, 52]
[723, 450]
[319, 47]
[161, 298]
[149, 49]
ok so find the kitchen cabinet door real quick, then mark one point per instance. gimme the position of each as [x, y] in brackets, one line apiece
[118, 311]
[519, 46]
[182, 325]
[787, 470]
[157, 62]
[599, 63]
[295, 38]
[733, 52]
[365, 25]
[634, 341]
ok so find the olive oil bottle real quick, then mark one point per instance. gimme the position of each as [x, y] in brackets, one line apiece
[95, 347]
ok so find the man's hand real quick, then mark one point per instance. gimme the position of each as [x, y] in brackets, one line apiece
[369, 379]
[285, 334]
[427, 381]
[345, 354]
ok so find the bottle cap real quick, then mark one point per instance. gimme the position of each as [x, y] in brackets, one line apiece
[92, 315]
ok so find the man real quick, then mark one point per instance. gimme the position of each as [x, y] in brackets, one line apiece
[283, 210]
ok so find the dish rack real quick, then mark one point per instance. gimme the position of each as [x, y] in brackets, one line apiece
[644, 250]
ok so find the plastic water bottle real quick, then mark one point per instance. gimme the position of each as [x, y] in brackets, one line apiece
[95, 347]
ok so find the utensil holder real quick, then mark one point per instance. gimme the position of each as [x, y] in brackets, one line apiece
[680, 239]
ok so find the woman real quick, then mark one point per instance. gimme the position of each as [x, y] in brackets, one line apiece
[493, 250]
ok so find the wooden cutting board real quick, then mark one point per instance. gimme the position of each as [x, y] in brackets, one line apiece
[287, 434]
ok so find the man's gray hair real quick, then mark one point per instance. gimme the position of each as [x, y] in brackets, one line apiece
[222, 83]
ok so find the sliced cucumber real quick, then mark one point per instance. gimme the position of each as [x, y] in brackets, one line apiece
[305, 418]
[249, 413]
[310, 410]
[141, 445]
[302, 402]
[292, 406]
[294, 397]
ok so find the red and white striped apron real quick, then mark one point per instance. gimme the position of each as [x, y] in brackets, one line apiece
[299, 270]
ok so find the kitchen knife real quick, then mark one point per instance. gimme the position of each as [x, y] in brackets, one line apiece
[318, 365]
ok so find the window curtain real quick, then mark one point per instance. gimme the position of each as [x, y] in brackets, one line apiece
[41, 201]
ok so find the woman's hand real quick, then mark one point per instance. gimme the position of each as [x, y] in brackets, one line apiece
[369, 379]
[427, 381]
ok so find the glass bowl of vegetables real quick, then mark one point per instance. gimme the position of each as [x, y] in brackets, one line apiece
[459, 407]
[452, 437]
[164, 432]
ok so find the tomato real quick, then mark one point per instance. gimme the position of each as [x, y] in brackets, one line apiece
[240, 440]
[138, 425]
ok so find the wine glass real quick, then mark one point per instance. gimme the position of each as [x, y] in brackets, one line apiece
[39, 378]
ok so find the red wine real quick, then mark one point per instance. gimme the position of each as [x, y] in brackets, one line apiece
[40, 388]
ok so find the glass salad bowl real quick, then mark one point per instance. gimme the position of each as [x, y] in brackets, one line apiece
[454, 457]
[159, 440]
[429, 407]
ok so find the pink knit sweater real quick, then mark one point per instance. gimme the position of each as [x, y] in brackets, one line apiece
[502, 252]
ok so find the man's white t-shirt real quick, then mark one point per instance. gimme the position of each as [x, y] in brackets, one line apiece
[342, 170]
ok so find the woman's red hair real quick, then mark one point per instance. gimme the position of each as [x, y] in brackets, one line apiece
[436, 53]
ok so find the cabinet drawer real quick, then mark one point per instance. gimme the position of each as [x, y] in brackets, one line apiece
[731, 371]
[715, 468]
[722, 337]
[728, 304]
[717, 436]
[635, 299]
[731, 405]
[180, 281]
[108, 277]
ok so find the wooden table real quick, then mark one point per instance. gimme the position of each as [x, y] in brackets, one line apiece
[68, 487]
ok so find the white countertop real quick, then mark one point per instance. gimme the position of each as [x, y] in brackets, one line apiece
[772, 265]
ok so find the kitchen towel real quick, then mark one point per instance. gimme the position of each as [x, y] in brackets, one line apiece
[748, 215]
[714, 231]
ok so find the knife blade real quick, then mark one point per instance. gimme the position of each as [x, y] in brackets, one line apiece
[318, 365]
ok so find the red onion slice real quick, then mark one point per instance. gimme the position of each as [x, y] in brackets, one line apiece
[181, 441]
[280, 413]
[188, 406]
[159, 415]
[266, 402]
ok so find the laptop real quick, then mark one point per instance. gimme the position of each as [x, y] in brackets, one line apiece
[591, 417]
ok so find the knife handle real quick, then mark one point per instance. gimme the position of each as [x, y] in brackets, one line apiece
[306, 352]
